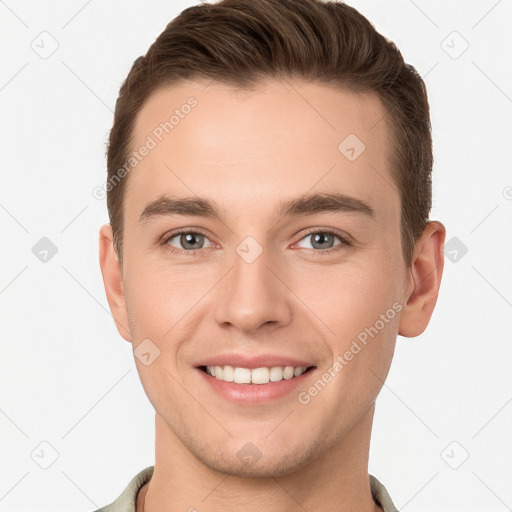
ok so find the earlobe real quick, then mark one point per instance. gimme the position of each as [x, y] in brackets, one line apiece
[113, 281]
[424, 281]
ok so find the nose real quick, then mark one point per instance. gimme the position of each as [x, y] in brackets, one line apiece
[253, 295]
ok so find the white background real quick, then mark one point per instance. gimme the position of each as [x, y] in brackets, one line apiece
[69, 379]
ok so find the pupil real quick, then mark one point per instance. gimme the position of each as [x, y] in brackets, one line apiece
[321, 238]
[188, 240]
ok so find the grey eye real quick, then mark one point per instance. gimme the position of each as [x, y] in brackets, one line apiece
[188, 241]
[321, 240]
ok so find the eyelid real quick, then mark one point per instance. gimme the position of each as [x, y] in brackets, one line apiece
[334, 231]
[345, 238]
[180, 231]
[172, 234]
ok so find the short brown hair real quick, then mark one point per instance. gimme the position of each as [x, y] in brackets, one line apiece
[243, 42]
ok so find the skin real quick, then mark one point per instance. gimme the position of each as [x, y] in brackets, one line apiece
[249, 150]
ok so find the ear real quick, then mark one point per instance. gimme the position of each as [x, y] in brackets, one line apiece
[113, 281]
[423, 281]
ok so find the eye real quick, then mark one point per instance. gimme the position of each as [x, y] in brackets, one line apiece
[187, 241]
[320, 241]
[324, 240]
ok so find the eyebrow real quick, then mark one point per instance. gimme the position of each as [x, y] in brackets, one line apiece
[307, 204]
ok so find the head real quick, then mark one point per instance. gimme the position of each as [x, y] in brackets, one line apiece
[294, 143]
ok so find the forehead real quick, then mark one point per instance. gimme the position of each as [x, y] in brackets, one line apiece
[274, 141]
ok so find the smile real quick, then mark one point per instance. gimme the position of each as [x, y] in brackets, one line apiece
[263, 375]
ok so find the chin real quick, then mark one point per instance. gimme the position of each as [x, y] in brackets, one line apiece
[251, 461]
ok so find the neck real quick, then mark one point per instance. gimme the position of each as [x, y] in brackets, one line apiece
[336, 480]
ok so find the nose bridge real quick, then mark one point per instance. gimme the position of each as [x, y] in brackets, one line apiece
[251, 293]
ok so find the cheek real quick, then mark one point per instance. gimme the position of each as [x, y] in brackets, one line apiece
[161, 296]
[159, 301]
[167, 305]
[361, 314]
[358, 309]
[348, 298]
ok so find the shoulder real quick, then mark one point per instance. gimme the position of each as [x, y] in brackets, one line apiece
[127, 500]
[381, 495]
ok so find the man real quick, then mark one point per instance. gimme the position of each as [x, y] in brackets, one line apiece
[269, 187]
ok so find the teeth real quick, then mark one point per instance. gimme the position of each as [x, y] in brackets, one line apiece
[259, 375]
[288, 372]
[228, 374]
[276, 374]
[255, 376]
[242, 376]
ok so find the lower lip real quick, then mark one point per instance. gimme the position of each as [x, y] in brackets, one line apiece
[254, 393]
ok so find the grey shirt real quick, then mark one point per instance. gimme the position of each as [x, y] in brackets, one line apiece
[128, 498]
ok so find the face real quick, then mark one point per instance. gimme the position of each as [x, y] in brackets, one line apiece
[283, 252]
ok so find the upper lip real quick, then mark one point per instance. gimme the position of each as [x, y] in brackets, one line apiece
[253, 361]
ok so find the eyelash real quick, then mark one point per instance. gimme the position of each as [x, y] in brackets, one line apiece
[345, 242]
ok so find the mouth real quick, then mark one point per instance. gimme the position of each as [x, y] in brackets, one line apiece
[255, 376]
[254, 379]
